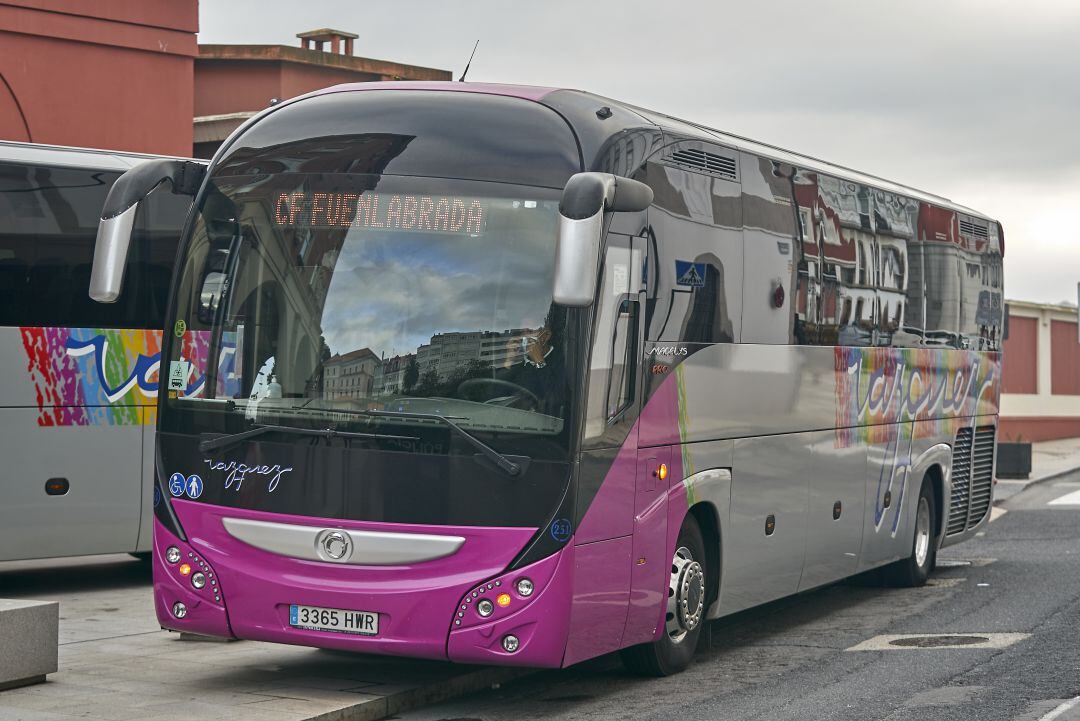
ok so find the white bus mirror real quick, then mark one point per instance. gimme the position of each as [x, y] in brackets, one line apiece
[118, 218]
[585, 200]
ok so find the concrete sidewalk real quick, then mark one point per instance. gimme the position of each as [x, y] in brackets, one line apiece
[1049, 460]
[116, 664]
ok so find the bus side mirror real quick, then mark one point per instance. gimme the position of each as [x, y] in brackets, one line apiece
[118, 218]
[585, 200]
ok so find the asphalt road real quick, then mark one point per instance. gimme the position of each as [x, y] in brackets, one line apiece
[790, 659]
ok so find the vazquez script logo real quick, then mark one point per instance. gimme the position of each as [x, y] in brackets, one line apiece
[237, 472]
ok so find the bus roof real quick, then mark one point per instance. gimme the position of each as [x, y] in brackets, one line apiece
[70, 157]
[683, 127]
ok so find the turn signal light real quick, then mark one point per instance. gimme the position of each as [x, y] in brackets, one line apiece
[185, 569]
[503, 599]
[661, 472]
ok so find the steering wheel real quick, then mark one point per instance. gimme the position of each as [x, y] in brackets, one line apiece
[517, 389]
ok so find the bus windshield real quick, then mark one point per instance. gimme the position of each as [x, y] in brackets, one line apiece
[371, 304]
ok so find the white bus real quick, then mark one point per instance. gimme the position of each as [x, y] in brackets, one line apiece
[77, 398]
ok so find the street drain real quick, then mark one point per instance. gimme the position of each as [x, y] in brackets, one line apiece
[917, 641]
[937, 641]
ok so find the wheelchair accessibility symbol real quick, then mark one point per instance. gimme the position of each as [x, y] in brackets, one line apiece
[177, 483]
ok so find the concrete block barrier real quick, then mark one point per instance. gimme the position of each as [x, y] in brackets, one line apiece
[29, 634]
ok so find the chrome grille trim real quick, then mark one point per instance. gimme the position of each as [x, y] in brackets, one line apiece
[369, 548]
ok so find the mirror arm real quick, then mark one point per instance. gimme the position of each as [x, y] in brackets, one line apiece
[585, 200]
[118, 217]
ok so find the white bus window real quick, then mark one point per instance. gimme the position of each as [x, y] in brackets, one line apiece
[47, 250]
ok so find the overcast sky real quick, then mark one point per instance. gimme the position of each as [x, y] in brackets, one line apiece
[976, 100]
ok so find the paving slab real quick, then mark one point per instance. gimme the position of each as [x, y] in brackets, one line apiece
[116, 664]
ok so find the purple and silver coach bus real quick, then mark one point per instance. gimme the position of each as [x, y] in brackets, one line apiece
[518, 375]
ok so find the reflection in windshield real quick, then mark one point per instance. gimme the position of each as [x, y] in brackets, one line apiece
[428, 296]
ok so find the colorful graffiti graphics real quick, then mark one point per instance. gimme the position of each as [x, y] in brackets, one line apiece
[93, 376]
[881, 391]
[96, 376]
[880, 386]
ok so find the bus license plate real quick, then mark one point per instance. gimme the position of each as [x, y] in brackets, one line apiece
[338, 620]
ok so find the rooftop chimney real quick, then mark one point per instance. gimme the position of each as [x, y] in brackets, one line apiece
[319, 38]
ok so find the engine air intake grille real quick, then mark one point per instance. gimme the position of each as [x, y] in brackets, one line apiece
[703, 161]
[982, 474]
[961, 482]
[972, 478]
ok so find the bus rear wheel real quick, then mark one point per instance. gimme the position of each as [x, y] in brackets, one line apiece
[915, 569]
[685, 612]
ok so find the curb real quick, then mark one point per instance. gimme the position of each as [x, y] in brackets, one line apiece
[1035, 481]
[414, 698]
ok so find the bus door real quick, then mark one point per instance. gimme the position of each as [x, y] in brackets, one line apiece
[650, 559]
[606, 534]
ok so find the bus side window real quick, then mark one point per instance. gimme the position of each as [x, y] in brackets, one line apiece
[50, 223]
[47, 250]
[696, 257]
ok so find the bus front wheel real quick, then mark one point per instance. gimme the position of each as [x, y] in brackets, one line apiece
[685, 612]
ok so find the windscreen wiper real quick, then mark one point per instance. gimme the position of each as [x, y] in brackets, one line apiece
[328, 433]
[502, 462]
[505, 464]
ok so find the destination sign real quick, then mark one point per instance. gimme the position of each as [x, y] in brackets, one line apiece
[423, 213]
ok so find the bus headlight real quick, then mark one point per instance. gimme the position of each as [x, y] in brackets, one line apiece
[172, 554]
[198, 580]
[524, 587]
[485, 608]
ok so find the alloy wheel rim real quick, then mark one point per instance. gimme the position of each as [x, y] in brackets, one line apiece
[922, 532]
[686, 595]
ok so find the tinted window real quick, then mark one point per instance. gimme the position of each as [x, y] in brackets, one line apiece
[421, 133]
[50, 218]
[876, 268]
[696, 257]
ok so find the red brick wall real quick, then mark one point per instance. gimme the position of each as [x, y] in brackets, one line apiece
[1030, 430]
[115, 75]
[230, 86]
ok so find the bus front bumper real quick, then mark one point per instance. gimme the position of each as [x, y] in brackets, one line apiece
[430, 609]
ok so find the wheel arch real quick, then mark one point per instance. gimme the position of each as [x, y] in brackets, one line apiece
[935, 463]
[708, 520]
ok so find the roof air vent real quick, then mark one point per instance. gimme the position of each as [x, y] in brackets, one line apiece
[703, 161]
[974, 229]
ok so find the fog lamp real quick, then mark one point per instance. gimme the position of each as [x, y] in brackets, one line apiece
[172, 554]
[510, 643]
[180, 610]
[524, 586]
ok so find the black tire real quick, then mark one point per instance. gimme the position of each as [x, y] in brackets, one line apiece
[674, 650]
[910, 572]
